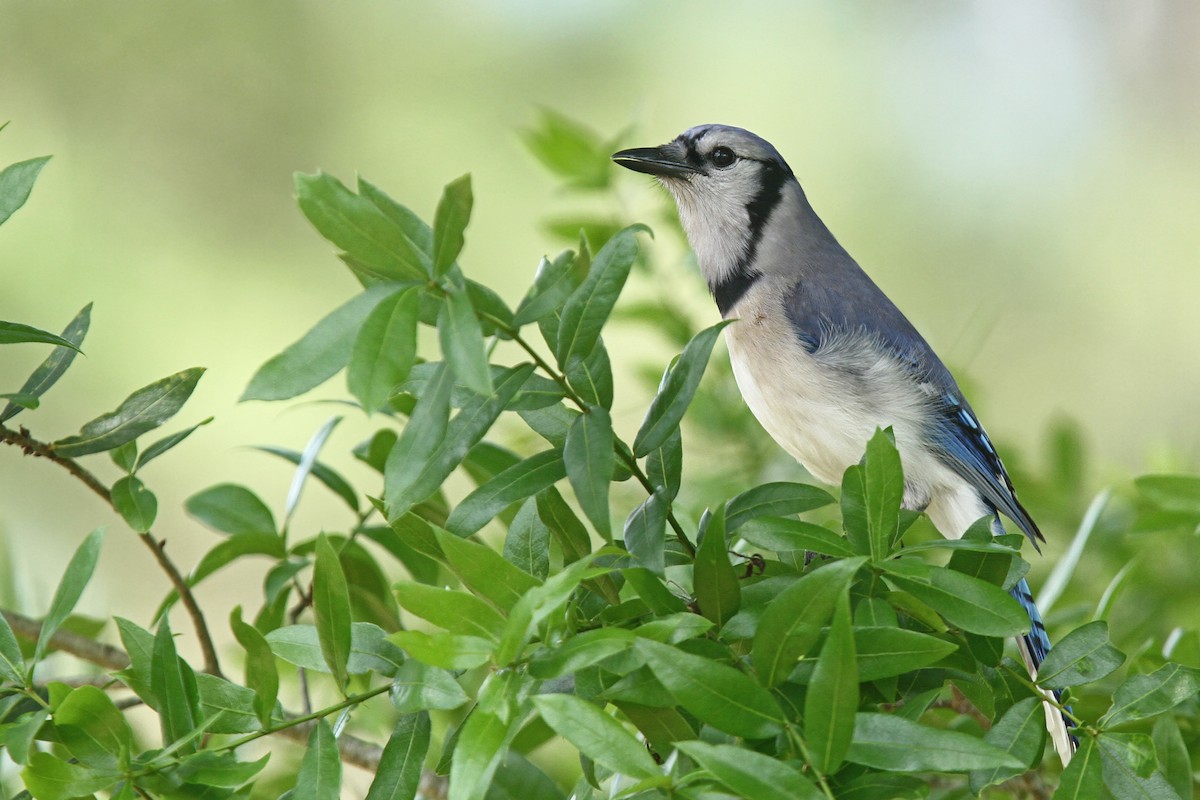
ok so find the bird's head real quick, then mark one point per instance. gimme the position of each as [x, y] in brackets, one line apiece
[726, 182]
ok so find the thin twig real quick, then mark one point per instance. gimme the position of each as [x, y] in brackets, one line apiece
[89, 650]
[32, 447]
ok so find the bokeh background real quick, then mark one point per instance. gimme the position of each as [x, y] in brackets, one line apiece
[1023, 178]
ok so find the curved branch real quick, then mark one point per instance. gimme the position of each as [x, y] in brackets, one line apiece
[32, 447]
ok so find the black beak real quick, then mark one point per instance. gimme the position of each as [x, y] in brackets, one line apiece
[667, 161]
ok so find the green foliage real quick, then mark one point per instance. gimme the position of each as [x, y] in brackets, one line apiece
[773, 649]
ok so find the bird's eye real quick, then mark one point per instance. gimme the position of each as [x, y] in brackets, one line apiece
[721, 157]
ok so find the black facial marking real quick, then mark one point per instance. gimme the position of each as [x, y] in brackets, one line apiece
[759, 210]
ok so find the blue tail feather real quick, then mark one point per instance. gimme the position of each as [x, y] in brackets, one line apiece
[1037, 643]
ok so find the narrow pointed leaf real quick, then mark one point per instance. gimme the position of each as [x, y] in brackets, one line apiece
[12, 665]
[773, 499]
[750, 774]
[1129, 766]
[1174, 761]
[331, 478]
[75, 578]
[596, 734]
[484, 571]
[166, 443]
[587, 309]
[482, 741]
[792, 623]
[589, 458]
[358, 225]
[782, 534]
[50, 370]
[462, 342]
[970, 603]
[676, 391]
[305, 467]
[1082, 656]
[449, 222]
[646, 532]
[884, 484]
[174, 685]
[832, 698]
[522, 480]
[262, 676]
[457, 612]
[714, 579]
[142, 411]
[714, 693]
[331, 607]
[18, 333]
[1142, 696]
[1083, 778]
[1022, 733]
[319, 354]
[16, 182]
[398, 776]
[552, 285]
[527, 544]
[320, 776]
[889, 742]
[384, 350]
[420, 687]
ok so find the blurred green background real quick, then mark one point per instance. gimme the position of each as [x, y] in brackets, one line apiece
[1022, 178]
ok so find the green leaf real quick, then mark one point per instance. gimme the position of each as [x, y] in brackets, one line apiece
[714, 693]
[208, 768]
[365, 226]
[511, 485]
[1174, 761]
[1082, 656]
[457, 612]
[370, 651]
[481, 744]
[568, 531]
[596, 735]
[462, 342]
[675, 392]
[854, 509]
[886, 651]
[332, 479]
[589, 458]
[174, 685]
[92, 728]
[331, 608]
[1128, 764]
[231, 508]
[773, 499]
[411, 476]
[1083, 778]
[166, 443]
[791, 624]
[969, 603]
[484, 571]
[580, 651]
[319, 354]
[783, 534]
[832, 698]
[50, 370]
[262, 676]
[449, 222]
[12, 666]
[1142, 696]
[893, 743]
[226, 707]
[553, 283]
[445, 650]
[527, 545]
[883, 481]
[125, 456]
[536, 605]
[419, 687]
[142, 411]
[664, 465]
[591, 377]
[384, 350]
[518, 779]
[1177, 493]
[398, 775]
[48, 777]
[16, 182]
[750, 774]
[646, 530]
[713, 577]
[320, 776]
[412, 452]
[570, 150]
[135, 503]
[304, 467]
[587, 309]
[1020, 732]
[74, 580]
[17, 333]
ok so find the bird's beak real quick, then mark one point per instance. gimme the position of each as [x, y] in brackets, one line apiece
[667, 161]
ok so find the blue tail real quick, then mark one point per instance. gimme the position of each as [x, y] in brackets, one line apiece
[1037, 643]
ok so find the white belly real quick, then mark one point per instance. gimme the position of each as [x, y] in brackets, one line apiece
[824, 418]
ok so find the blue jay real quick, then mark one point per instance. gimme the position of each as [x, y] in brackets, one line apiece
[821, 355]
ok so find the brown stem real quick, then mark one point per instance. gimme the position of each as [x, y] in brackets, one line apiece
[32, 447]
[102, 655]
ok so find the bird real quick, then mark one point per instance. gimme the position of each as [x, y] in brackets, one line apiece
[822, 356]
